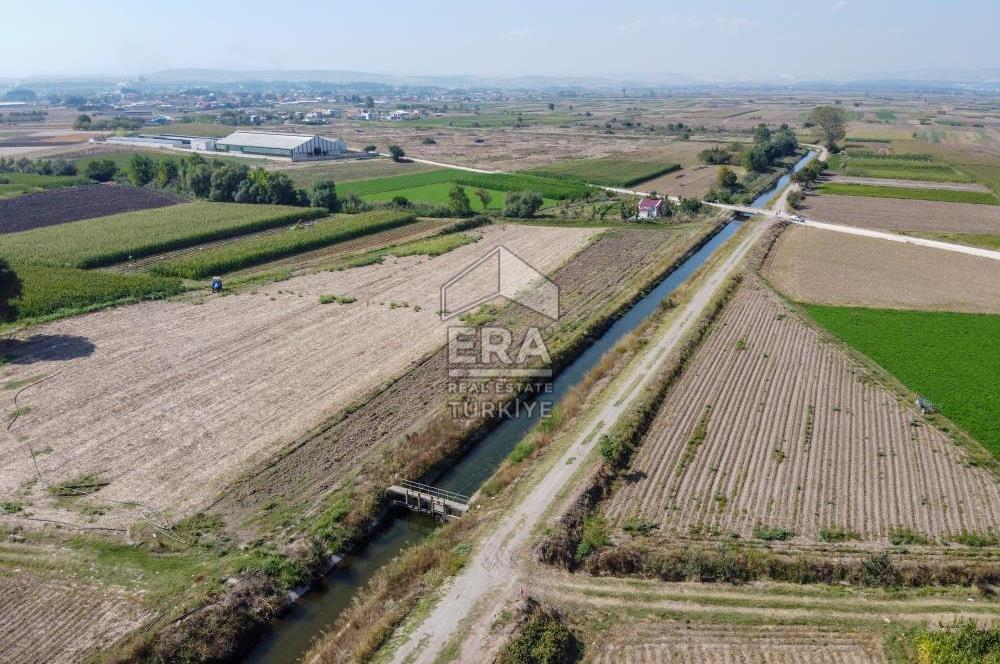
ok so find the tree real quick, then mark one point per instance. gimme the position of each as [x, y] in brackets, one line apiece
[280, 188]
[690, 204]
[226, 181]
[484, 197]
[757, 159]
[141, 170]
[324, 195]
[10, 289]
[552, 106]
[101, 170]
[199, 179]
[369, 102]
[761, 134]
[522, 204]
[458, 202]
[794, 198]
[832, 122]
[83, 121]
[727, 179]
[167, 173]
[396, 153]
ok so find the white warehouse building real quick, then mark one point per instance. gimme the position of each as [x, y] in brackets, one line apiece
[292, 146]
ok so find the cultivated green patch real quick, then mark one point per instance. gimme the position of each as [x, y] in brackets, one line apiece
[915, 193]
[952, 359]
[608, 172]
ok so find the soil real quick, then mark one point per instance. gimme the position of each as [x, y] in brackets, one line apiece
[816, 266]
[895, 214]
[47, 621]
[794, 434]
[168, 401]
[59, 206]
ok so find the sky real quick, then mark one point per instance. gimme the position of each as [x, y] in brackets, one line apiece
[723, 40]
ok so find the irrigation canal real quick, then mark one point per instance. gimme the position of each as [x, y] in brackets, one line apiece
[291, 635]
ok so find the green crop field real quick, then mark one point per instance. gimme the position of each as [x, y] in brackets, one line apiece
[885, 116]
[437, 194]
[251, 251]
[553, 188]
[945, 195]
[15, 184]
[607, 172]
[123, 159]
[952, 359]
[51, 290]
[107, 240]
[898, 167]
[492, 120]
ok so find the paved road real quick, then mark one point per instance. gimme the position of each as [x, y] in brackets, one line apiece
[494, 571]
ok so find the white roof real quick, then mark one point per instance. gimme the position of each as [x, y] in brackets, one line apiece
[265, 140]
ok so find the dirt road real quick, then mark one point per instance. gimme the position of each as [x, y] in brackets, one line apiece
[494, 569]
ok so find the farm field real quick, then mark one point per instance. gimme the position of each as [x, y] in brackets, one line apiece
[909, 184]
[437, 194]
[169, 423]
[900, 215]
[692, 182]
[911, 193]
[61, 621]
[608, 172]
[18, 184]
[307, 174]
[923, 167]
[645, 621]
[772, 430]
[819, 267]
[74, 203]
[390, 186]
[106, 240]
[261, 248]
[957, 368]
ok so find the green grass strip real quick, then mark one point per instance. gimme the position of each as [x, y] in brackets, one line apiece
[913, 193]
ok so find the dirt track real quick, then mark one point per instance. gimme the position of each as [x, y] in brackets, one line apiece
[168, 400]
[816, 266]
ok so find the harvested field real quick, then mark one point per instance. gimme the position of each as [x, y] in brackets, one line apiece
[693, 182]
[323, 460]
[168, 401]
[773, 428]
[46, 621]
[903, 215]
[816, 266]
[59, 206]
[677, 642]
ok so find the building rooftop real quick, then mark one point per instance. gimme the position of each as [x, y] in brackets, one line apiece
[265, 140]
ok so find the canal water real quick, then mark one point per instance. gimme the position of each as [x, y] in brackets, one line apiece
[289, 637]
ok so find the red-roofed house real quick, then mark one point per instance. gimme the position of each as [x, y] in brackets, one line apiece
[651, 207]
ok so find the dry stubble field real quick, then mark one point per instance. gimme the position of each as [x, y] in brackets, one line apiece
[46, 621]
[167, 400]
[816, 266]
[894, 214]
[771, 425]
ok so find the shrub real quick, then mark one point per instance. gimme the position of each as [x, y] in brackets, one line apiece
[101, 170]
[397, 153]
[522, 204]
[324, 195]
[879, 570]
[838, 535]
[772, 533]
[541, 639]
[961, 643]
[904, 535]
[593, 537]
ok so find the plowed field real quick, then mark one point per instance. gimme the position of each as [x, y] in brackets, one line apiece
[773, 426]
[59, 206]
[810, 265]
[167, 400]
[48, 622]
[893, 214]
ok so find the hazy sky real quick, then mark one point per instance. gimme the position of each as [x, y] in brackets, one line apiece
[727, 39]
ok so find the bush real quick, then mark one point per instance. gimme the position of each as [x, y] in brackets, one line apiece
[879, 570]
[541, 639]
[961, 643]
[397, 153]
[101, 170]
[324, 195]
[522, 204]
[772, 533]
